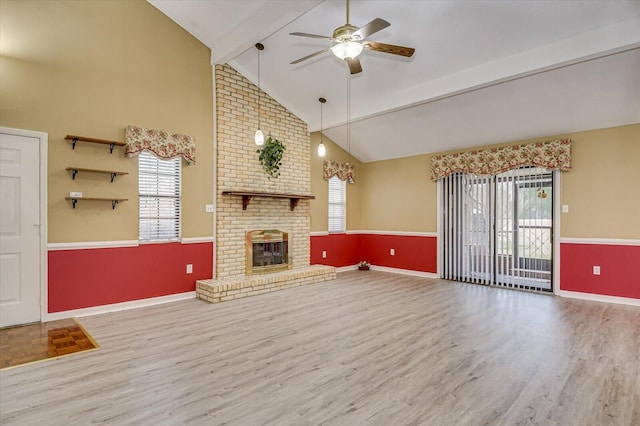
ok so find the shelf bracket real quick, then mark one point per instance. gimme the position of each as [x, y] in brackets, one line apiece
[73, 143]
[111, 145]
[245, 201]
[74, 201]
[294, 203]
[74, 172]
[114, 203]
[113, 176]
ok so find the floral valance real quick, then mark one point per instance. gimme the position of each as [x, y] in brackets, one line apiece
[344, 171]
[552, 155]
[163, 144]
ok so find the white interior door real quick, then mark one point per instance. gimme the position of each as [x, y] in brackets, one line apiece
[19, 229]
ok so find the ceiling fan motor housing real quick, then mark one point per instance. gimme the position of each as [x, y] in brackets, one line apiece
[344, 33]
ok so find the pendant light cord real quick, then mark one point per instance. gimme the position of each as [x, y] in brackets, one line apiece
[349, 116]
[321, 120]
[258, 88]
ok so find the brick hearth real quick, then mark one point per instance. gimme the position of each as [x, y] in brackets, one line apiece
[235, 288]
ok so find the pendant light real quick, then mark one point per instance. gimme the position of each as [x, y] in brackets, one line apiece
[321, 148]
[259, 137]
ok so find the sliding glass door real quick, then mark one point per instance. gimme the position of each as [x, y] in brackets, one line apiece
[498, 229]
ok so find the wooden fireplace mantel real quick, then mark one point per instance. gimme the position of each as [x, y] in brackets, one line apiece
[247, 196]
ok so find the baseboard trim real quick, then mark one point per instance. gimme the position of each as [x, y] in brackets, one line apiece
[347, 268]
[103, 309]
[598, 297]
[391, 270]
[404, 271]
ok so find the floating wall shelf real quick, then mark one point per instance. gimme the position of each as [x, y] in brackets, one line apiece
[247, 196]
[113, 173]
[114, 201]
[75, 139]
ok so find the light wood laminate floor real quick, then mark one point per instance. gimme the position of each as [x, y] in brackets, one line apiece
[367, 348]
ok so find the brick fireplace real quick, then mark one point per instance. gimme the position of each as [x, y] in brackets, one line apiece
[238, 169]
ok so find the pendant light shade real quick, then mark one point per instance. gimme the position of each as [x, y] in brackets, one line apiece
[321, 148]
[259, 136]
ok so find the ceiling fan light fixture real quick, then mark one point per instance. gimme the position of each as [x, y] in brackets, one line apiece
[347, 49]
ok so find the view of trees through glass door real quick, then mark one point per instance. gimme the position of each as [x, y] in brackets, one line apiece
[498, 229]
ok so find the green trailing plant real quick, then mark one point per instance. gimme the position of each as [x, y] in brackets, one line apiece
[271, 156]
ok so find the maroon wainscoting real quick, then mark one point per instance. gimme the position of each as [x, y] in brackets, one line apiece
[416, 253]
[619, 269]
[342, 249]
[101, 276]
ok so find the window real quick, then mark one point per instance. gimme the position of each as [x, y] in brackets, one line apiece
[337, 205]
[159, 198]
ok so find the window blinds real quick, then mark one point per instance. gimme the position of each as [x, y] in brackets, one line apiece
[159, 198]
[337, 205]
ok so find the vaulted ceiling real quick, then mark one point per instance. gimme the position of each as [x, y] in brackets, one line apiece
[484, 71]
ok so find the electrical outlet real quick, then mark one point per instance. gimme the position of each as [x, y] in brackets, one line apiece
[189, 268]
[324, 254]
[75, 194]
[596, 270]
[392, 252]
[565, 208]
[208, 208]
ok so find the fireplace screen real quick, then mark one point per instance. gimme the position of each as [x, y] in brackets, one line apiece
[267, 251]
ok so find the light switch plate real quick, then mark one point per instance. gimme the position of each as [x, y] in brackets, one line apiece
[596, 270]
[189, 268]
[208, 208]
[565, 208]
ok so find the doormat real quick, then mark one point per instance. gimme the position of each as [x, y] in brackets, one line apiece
[26, 344]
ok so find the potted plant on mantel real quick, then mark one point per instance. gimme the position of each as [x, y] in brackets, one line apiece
[363, 265]
[271, 156]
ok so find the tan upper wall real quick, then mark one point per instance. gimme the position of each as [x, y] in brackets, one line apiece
[91, 68]
[320, 187]
[602, 190]
[399, 196]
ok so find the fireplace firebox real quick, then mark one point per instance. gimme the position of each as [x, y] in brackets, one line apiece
[267, 251]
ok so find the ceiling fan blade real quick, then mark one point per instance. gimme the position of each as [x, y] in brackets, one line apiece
[371, 28]
[311, 56]
[311, 35]
[389, 48]
[354, 65]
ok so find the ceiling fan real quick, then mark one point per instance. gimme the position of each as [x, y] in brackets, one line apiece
[349, 41]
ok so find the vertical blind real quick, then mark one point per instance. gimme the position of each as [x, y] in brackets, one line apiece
[498, 229]
[524, 227]
[337, 204]
[467, 222]
[159, 198]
